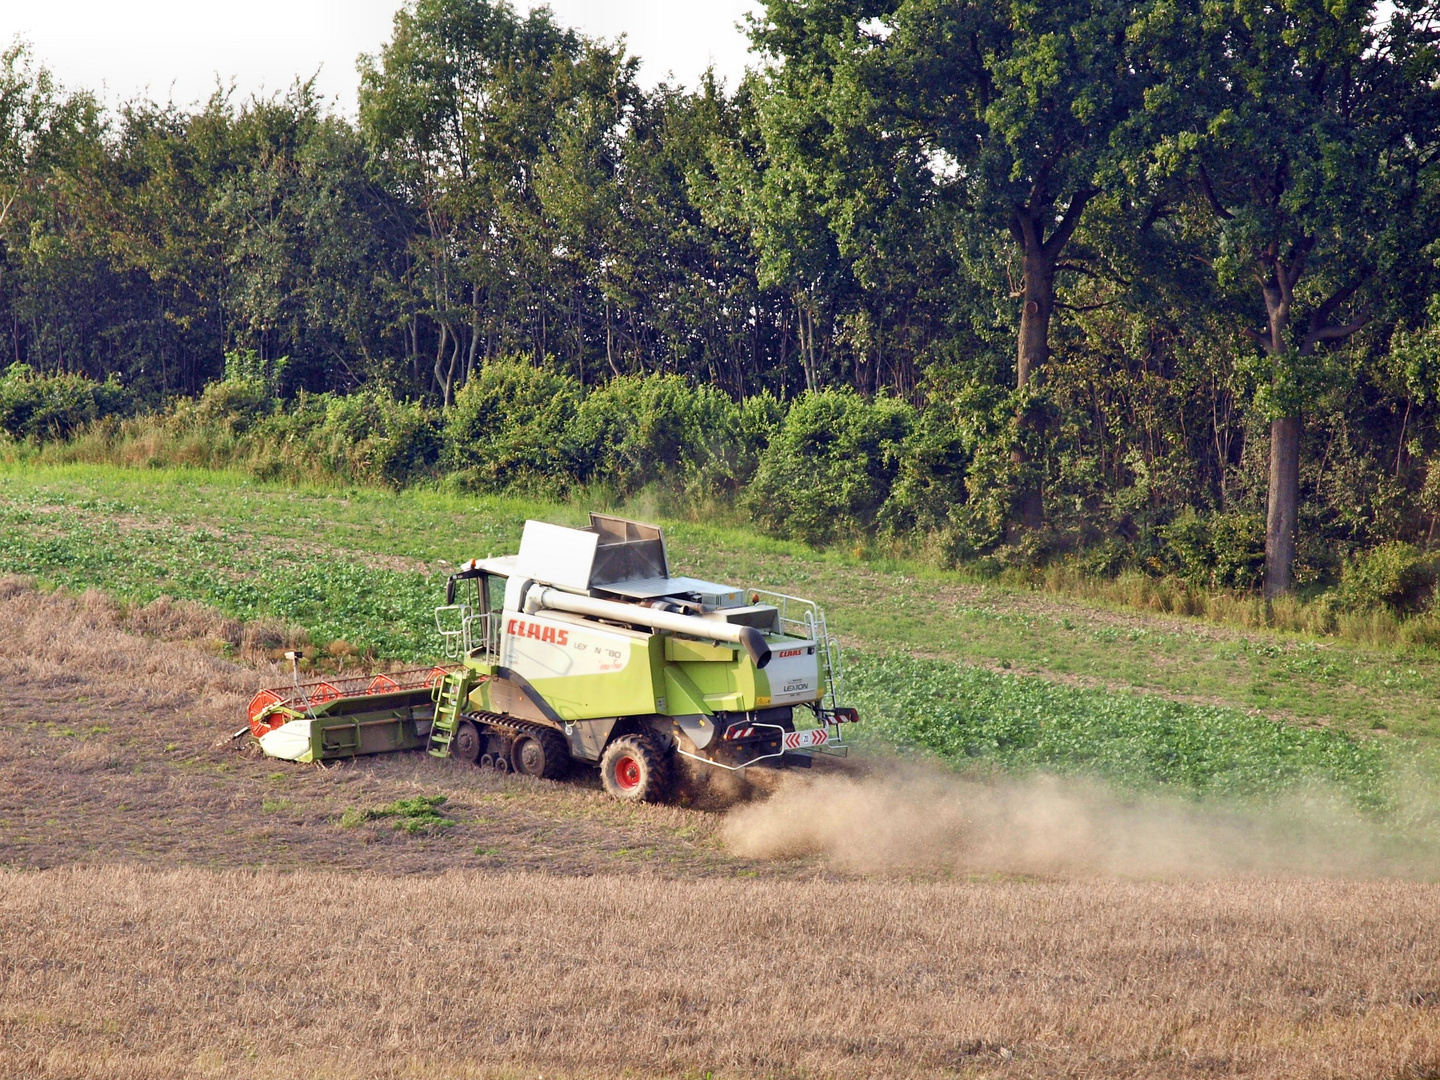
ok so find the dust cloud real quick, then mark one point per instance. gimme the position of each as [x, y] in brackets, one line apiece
[910, 817]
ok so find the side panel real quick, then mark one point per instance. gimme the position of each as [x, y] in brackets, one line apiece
[724, 686]
[557, 555]
[582, 669]
[588, 738]
[682, 696]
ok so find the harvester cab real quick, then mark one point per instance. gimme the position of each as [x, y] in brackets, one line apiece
[583, 649]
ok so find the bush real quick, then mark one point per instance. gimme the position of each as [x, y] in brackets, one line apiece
[642, 430]
[930, 484]
[230, 406]
[249, 392]
[986, 434]
[1395, 576]
[52, 408]
[830, 467]
[363, 437]
[403, 444]
[1215, 551]
[513, 427]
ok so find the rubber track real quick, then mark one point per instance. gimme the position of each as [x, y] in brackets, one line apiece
[511, 724]
[555, 743]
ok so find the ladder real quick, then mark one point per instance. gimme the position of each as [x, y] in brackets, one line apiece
[449, 697]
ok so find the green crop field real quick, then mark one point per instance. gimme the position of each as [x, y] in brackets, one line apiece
[977, 675]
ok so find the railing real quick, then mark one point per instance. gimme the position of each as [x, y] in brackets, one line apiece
[463, 631]
[797, 616]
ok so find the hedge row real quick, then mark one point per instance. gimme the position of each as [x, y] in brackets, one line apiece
[826, 467]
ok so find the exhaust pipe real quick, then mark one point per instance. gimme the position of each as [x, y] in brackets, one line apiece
[540, 597]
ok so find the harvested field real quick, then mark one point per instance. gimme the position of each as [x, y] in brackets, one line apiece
[111, 719]
[171, 906]
[128, 973]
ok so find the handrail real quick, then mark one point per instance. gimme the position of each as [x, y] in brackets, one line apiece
[466, 631]
[797, 624]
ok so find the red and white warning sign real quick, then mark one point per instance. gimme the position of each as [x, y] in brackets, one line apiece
[795, 740]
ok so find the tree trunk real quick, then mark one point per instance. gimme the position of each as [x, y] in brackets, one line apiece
[1032, 354]
[1039, 295]
[1282, 509]
[610, 342]
[1282, 513]
[805, 327]
[1040, 255]
[474, 332]
[445, 378]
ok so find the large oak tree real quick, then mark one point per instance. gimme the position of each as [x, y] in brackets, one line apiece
[1310, 129]
[1026, 111]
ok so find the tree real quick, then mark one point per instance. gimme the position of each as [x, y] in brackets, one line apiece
[312, 250]
[1023, 108]
[1312, 133]
[458, 106]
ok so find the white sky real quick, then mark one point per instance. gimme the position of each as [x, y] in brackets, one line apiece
[174, 49]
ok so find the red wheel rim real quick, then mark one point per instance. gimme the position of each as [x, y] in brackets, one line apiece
[627, 774]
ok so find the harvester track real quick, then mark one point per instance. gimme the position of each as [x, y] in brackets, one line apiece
[513, 728]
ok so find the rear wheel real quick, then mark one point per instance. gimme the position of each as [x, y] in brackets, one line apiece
[541, 754]
[636, 769]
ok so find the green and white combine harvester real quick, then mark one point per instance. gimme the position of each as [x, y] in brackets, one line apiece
[583, 650]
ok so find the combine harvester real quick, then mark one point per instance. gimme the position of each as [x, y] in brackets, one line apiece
[582, 649]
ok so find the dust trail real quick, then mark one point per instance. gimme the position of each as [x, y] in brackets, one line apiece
[911, 817]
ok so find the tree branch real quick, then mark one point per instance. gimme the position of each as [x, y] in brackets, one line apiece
[1042, 178]
[1159, 209]
[1338, 333]
[1210, 195]
[1017, 230]
[1322, 314]
[1298, 255]
[1058, 239]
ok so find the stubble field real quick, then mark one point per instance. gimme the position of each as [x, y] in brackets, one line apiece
[172, 905]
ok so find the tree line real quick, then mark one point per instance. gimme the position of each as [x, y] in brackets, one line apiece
[1151, 283]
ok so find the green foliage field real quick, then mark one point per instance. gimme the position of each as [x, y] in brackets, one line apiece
[93, 543]
[368, 567]
[973, 717]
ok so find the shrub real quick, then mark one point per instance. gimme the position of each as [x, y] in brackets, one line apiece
[1394, 575]
[830, 467]
[512, 427]
[231, 406]
[1216, 551]
[371, 436]
[56, 407]
[641, 430]
[930, 484]
[986, 434]
[366, 436]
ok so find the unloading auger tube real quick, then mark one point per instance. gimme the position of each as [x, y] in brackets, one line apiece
[541, 597]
